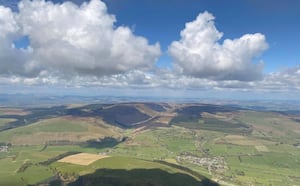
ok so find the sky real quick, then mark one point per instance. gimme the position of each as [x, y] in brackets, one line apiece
[234, 49]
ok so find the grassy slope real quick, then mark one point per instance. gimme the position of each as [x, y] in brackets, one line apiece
[4, 121]
[116, 162]
[68, 129]
[158, 143]
[18, 155]
[15, 159]
[279, 166]
[121, 170]
[258, 167]
[140, 177]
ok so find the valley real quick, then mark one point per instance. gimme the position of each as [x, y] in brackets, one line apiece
[131, 142]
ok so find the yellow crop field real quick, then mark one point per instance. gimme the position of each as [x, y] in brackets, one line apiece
[82, 158]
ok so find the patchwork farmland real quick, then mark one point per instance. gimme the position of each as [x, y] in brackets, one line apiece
[195, 144]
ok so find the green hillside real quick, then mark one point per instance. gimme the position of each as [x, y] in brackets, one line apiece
[183, 143]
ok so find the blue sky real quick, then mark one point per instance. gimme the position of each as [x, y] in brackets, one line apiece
[270, 27]
[162, 20]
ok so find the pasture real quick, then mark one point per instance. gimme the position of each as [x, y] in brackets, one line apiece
[5, 121]
[67, 130]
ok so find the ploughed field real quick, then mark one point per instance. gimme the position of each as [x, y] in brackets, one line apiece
[148, 144]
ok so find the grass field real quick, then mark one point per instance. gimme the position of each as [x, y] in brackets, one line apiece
[17, 156]
[271, 125]
[158, 143]
[67, 129]
[5, 121]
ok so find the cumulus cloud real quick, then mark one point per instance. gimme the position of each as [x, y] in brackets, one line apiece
[73, 39]
[198, 53]
[79, 45]
[11, 59]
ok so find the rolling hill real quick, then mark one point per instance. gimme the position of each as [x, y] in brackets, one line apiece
[195, 144]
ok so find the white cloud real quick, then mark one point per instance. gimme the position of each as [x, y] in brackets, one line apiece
[198, 53]
[71, 39]
[73, 45]
[286, 81]
[7, 21]
[11, 59]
